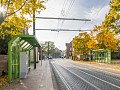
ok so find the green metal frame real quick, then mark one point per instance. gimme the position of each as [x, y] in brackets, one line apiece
[15, 46]
[102, 55]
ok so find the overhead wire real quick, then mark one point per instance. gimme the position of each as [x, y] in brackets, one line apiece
[67, 12]
[62, 11]
[65, 2]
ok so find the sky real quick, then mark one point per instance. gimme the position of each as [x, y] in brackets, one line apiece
[95, 10]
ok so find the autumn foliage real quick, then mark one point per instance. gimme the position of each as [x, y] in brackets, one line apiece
[102, 36]
[103, 39]
[79, 43]
[14, 18]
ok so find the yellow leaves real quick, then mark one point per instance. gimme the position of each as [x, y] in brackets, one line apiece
[3, 80]
[79, 43]
[115, 3]
[12, 26]
[22, 7]
[112, 16]
[92, 44]
[106, 40]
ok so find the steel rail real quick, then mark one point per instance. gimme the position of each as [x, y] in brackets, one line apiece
[81, 78]
[104, 74]
[117, 75]
[95, 77]
[62, 78]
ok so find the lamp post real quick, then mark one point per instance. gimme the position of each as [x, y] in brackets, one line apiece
[34, 52]
[48, 50]
[90, 54]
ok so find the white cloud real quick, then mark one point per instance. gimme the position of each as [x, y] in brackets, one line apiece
[97, 13]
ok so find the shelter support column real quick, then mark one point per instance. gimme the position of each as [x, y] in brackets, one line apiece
[19, 60]
[34, 58]
[15, 62]
[9, 63]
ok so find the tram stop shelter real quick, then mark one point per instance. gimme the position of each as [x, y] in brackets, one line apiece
[102, 55]
[19, 48]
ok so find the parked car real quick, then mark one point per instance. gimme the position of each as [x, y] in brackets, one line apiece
[50, 57]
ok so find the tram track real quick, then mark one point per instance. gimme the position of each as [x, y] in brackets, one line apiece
[74, 81]
[97, 70]
[62, 78]
[91, 78]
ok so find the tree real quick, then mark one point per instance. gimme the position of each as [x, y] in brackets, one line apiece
[103, 36]
[19, 7]
[15, 11]
[6, 33]
[111, 19]
[92, 43]
[106, 40]
[13, 20]
[53, 51]
[79, 44]
[102, 39]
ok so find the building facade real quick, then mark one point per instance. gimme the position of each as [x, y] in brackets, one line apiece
[69, 50]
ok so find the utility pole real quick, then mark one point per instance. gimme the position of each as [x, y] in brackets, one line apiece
[48, 50]
[34, 52]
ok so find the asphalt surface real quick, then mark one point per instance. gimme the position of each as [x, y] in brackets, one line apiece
[71, 76]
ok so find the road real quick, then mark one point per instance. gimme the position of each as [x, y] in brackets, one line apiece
[72, 76]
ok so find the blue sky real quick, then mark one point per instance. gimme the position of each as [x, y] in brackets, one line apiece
[83, 9]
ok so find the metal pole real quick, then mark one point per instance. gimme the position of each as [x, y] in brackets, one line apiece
[64, 18]
[41, 55]
[47, 29]
[19, 61]
[34, 34]
[15, 62]
[48, 50]
[29, 60]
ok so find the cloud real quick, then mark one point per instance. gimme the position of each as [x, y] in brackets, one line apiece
[97, 13]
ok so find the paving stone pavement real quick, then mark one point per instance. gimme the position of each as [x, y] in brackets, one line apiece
[37, 79]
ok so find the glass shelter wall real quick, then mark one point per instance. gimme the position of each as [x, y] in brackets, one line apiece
[18, 45]
[102, 56]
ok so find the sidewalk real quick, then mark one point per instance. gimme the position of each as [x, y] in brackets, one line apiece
[38, 79]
